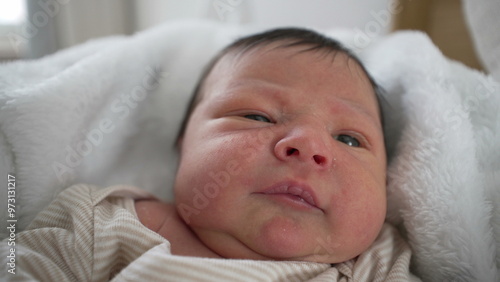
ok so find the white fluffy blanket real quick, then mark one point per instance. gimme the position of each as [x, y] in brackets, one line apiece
[107, 111]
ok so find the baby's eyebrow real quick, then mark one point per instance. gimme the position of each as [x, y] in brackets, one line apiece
[263, 87]
[257, 83]
[362, 110]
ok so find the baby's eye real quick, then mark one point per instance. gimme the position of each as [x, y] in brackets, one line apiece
[349, 140]
[258, 118]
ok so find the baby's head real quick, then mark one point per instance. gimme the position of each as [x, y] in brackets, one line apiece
[282, 152]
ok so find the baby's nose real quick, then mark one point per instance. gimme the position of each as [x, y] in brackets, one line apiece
[307, 145]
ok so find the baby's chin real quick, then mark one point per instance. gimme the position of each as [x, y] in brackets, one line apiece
[281, 247]
[282, 239]
[317, 256]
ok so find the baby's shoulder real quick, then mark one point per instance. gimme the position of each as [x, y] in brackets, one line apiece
[163, 219]
[153, 213]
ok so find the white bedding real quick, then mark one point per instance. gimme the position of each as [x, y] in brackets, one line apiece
[107, 112]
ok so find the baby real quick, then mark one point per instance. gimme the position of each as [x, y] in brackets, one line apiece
[282, 159]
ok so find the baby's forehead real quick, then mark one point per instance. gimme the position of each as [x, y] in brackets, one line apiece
[225, 72]
[269, 51]
[284, 48]
[287, 66]
[234, 61]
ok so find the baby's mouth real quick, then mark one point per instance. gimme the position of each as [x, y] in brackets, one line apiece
[299, 194]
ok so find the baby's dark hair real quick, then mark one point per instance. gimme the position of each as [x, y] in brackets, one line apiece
[290, 37]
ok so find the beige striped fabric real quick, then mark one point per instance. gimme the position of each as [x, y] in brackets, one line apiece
[92, 234]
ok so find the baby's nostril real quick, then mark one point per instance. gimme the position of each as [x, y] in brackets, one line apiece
[291, 151]
[319, 159]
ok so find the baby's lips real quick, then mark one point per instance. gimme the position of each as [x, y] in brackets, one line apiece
[290, 187]
[304, 194]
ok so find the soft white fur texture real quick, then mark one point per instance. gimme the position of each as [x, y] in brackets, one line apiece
[442, 131]
[443, 134]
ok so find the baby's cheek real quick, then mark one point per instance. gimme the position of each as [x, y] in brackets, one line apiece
[370, 221]
[358, 215]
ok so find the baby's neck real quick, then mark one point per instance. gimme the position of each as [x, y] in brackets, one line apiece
[163, 219]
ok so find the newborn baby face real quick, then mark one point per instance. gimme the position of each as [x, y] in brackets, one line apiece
[283, 158]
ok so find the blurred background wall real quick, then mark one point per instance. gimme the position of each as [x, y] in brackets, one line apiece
[51, 25]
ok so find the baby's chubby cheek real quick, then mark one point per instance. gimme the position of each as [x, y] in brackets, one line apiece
[359, 218]
[196, 194]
